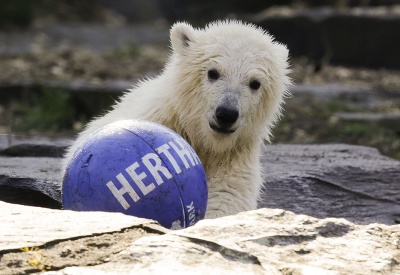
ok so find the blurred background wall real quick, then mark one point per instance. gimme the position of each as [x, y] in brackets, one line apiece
[341, 31]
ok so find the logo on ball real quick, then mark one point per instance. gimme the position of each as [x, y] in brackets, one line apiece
[138, 168]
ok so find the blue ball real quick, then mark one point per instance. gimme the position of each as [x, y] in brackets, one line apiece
[138, 168]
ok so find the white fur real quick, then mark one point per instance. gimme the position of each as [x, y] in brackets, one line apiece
[184, 99]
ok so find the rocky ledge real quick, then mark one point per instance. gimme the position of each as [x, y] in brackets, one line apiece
[326, 209]
[264, 241]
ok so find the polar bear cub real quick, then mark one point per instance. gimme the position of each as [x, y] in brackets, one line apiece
[222, 90]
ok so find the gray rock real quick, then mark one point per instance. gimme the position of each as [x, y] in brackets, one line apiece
[39, 175]
[29, 173]
[352, 182]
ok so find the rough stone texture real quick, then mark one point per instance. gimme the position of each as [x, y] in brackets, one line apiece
[24, 226]
[34, 239]
[352, 182]
[31, 181]
[82, 251]
[29, 173]
[265, 241]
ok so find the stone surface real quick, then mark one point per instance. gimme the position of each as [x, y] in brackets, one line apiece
[82, 251]
[24, 226]
[41, 175]
[29, 171]
[34, 239]
[335, 180]
[266, 241]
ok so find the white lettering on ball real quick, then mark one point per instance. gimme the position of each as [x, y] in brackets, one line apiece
[156, 167]
[126, 188]
[138, 179]
[157, 171]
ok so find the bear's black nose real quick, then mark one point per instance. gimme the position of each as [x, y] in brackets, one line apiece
[226, 117]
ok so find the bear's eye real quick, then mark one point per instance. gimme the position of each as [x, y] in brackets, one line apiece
[213, 74]
[254, 84]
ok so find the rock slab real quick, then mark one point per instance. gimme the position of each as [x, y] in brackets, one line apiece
[266, 241]
[332, 180]
[24, 226]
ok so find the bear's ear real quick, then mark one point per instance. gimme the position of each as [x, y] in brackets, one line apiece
[181, 36]
[281, 51]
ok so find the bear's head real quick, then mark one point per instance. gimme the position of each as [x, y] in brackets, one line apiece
[231, 79]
